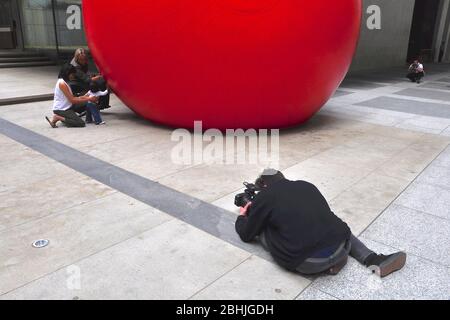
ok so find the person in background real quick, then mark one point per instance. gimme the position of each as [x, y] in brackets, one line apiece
[64, 100]
[416, 71]
[83, 78]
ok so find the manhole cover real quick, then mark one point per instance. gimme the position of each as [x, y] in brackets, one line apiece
[40, 243]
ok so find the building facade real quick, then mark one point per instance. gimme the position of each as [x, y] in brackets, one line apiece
[392, 32]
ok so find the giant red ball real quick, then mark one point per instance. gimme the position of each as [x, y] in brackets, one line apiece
[228, 63]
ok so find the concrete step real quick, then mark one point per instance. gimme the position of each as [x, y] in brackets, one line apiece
[27, 64]
[19, 54]
[27, 99]
[23, 59]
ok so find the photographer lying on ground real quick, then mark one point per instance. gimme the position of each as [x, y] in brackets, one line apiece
[296, 225]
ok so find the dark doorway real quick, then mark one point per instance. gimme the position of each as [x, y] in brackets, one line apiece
[8, 24]
[423, 29]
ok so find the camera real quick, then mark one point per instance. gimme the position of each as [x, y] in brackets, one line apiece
[242, 199]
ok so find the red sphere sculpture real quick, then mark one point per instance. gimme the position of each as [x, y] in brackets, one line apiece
[228, 63]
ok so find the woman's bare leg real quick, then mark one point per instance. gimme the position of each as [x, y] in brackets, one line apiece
[57, 118]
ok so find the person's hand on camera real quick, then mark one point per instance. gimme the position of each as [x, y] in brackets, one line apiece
[93, 99]
[244, 210]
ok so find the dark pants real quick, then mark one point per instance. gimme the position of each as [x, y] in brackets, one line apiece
[415, 76]
[93, 112]
[103, 102]
[71, 119]
[353, 247]
[79, 108]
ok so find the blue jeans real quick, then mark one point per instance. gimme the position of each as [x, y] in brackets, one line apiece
[92, 111]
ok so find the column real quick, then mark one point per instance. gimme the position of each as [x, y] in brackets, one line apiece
[441, 24]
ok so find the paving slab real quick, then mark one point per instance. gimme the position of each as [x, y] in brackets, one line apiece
[427, 198]
[171, 261]
[438, 110]
[227, 202]
[420, 279]
[425, 124]
[412, 231]
[20, 82]
[19, 165]
[366, 200]
[411, 161]
[444, 159]
[315, 295]
[446, 79]
[331, 179]
[128, 147]
[42, 198]
[446, 132]
[436, 175]
[360, 85]
[354, 156]
[211, 182]
[340, 93]
[371, 142]
[436, 85]
[427, 94]
[74, 234]
[153, 165]
[244, 282]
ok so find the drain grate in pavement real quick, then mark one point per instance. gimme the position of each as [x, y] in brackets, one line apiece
[38, 244]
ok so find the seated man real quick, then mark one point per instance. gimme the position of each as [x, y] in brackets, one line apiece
[296, 225]
[416, 71]
[83, 78]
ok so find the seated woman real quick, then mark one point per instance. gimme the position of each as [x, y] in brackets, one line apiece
[64, 100]
[80, 84]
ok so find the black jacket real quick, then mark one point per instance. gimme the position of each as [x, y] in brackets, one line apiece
[297, 222]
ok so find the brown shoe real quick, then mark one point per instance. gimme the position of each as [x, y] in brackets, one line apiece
[385, 265]
[334, 270]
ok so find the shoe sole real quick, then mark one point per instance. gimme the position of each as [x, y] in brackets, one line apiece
[54, 126]
[395, 263]
[333, 271]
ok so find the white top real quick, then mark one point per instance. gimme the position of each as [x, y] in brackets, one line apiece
[97, 94]
[416, 68]
[60, 102]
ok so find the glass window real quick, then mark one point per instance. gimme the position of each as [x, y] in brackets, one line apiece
[38, 24]
[69, 25]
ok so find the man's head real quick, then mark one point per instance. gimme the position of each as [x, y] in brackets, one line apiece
[269, 177]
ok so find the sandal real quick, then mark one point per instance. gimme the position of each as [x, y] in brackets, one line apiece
[51, 123]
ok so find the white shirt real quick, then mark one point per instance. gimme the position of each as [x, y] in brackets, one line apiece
[97, 94]
[60, 102]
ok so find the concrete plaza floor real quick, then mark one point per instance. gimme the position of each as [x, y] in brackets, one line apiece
[125, 222]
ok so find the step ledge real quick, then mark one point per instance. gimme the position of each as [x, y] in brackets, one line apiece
[26, 99]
